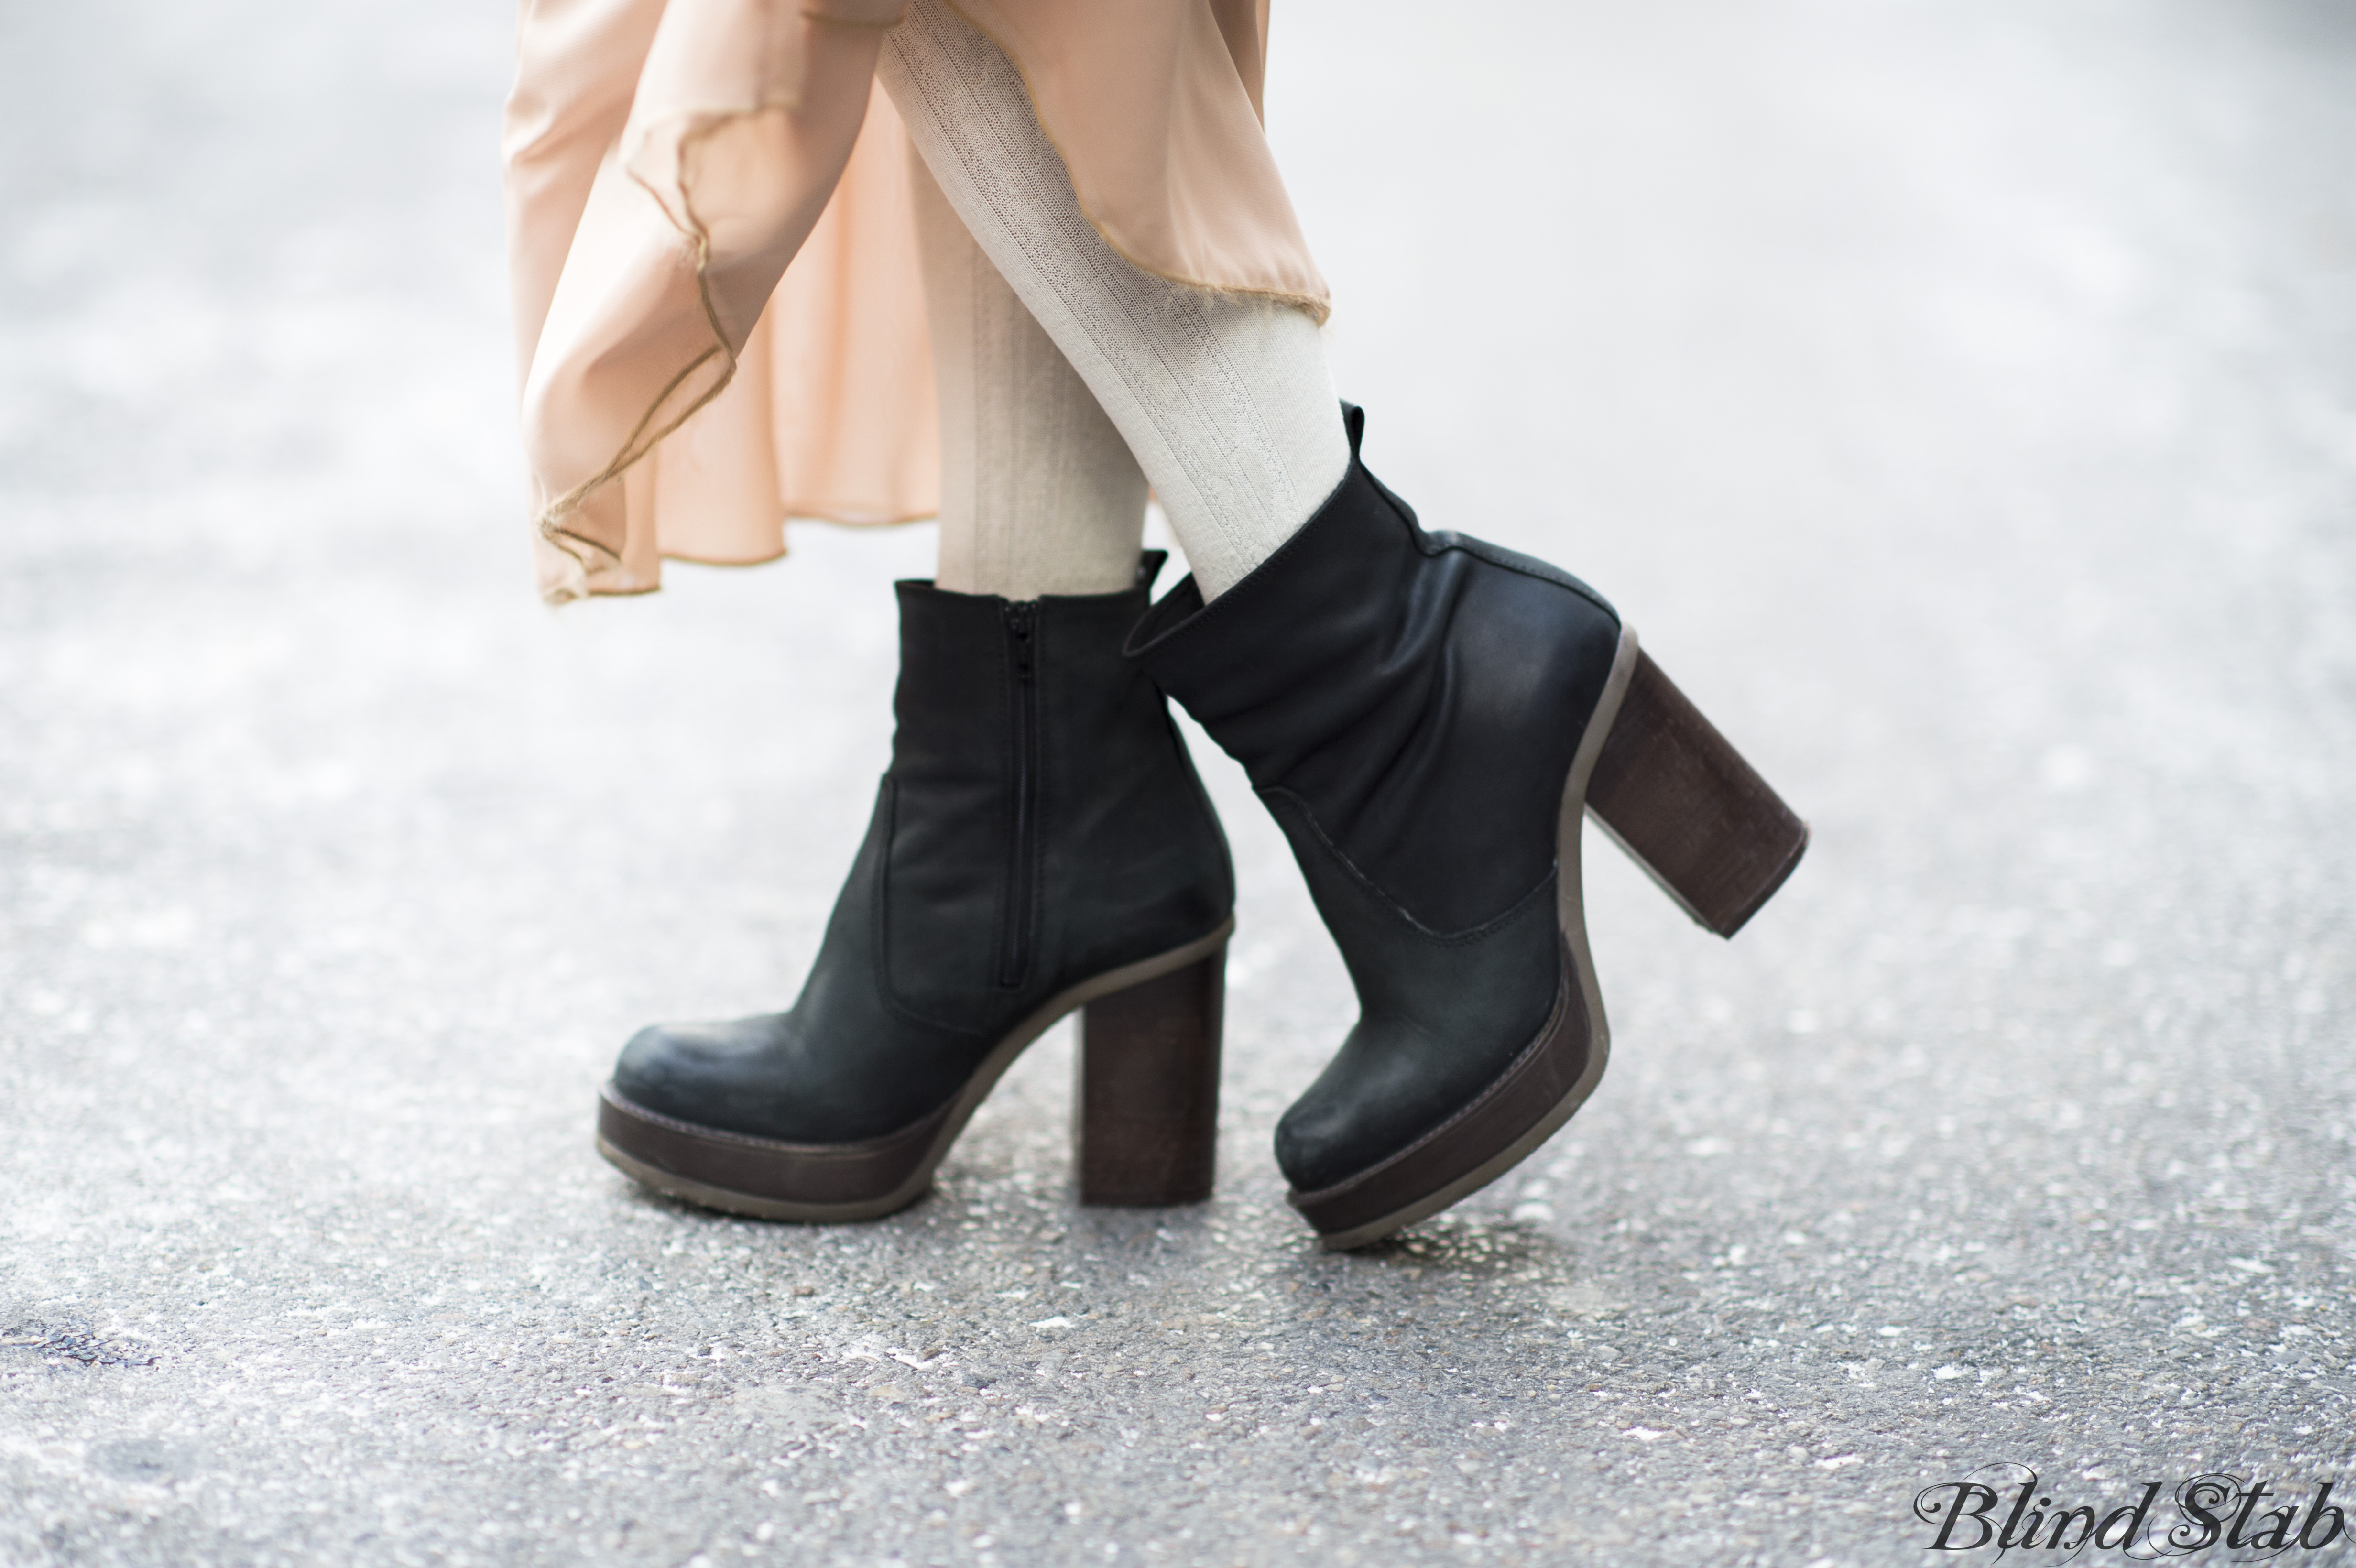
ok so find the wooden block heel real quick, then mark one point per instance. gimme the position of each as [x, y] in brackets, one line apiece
[1674, 793]
[1145, 1102]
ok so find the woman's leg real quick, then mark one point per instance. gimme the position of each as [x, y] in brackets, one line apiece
[1039, 493]
[1041, 843]
[1225, 400]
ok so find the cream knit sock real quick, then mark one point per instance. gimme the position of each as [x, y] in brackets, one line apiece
[1039, 493]
[1225, 399]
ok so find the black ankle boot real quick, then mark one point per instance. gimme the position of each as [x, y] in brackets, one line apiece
[1040, 844]
[1427, 716]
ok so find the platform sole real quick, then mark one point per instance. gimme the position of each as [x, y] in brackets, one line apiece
[839, 1183]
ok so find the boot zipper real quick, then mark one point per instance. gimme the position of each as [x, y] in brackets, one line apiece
[1022, 646]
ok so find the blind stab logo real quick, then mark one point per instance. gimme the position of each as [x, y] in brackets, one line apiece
[2009, 1508]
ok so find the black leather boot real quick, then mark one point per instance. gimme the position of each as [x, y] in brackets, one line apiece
[1041, 843]
[1428, 716]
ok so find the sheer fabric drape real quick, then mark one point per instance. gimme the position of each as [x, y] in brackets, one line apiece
[720, 315]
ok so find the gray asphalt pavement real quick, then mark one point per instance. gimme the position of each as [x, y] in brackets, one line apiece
[1961, 398]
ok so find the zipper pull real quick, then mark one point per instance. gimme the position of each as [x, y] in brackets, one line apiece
[1019, 627]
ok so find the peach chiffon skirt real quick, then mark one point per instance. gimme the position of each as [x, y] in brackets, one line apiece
[718, 310]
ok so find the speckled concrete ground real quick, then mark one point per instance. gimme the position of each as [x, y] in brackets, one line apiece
[1962, 397]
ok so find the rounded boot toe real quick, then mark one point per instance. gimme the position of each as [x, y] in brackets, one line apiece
[1308, 1150]
[692, 1071]
[1325, 1139]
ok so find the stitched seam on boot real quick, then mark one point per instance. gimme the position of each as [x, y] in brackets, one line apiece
[1513, 561]
[1465, 938]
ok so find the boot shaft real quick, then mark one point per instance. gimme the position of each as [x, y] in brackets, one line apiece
[1383, 677]
[1041, 812]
